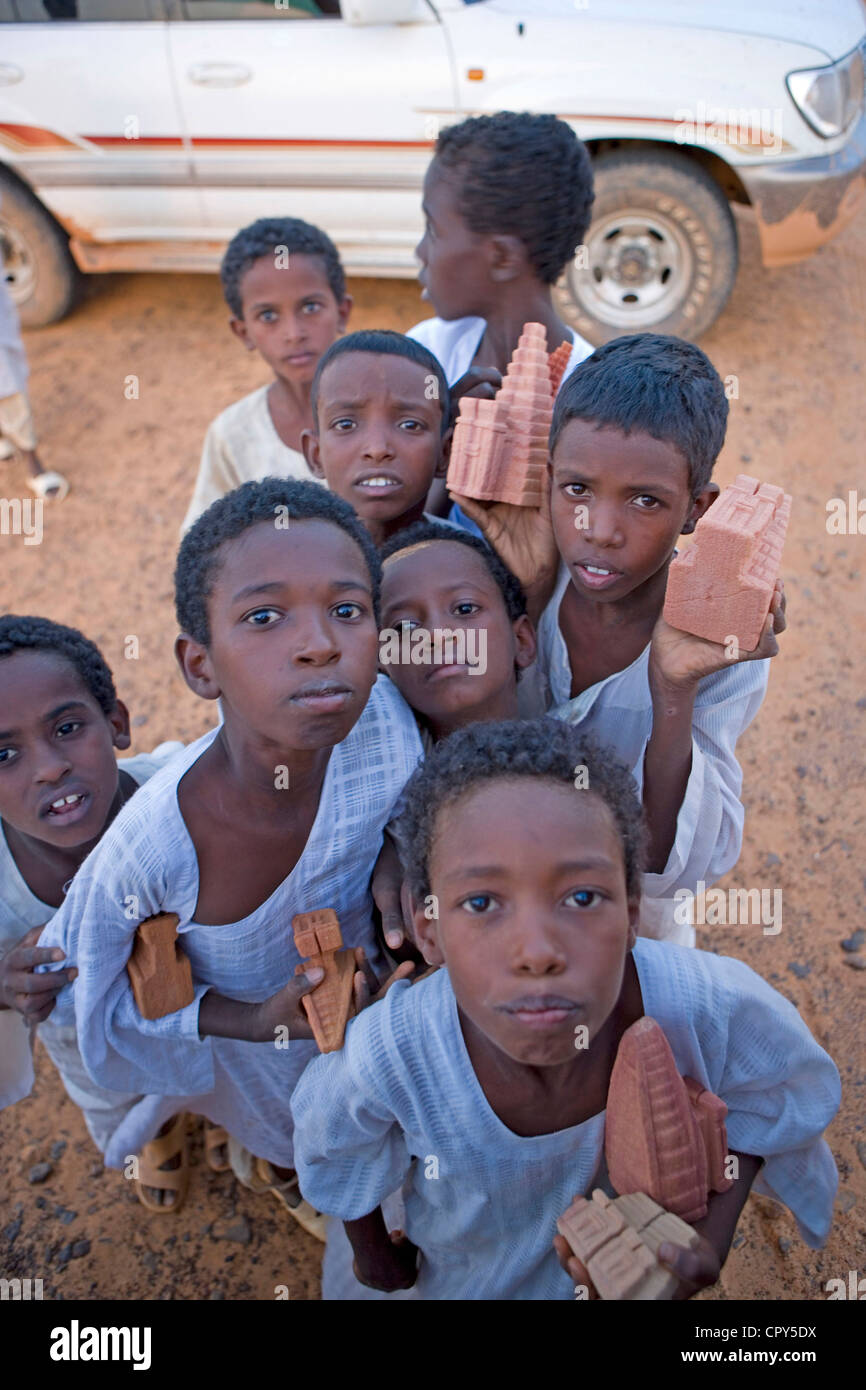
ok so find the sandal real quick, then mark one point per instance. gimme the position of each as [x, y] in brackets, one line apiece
[166, 1146]
[50, 486]
[216, 1138]
[258, 1175]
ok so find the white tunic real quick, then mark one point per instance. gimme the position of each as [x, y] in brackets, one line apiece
[618, 712]
[19, 911]
[455, 342]
[146, 863]
[401, 1104]
[241, 446]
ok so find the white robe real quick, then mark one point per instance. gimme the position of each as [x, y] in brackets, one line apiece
[455, 342]
[618, 712]
[20, 909]
[146, 863]
[401, 1104]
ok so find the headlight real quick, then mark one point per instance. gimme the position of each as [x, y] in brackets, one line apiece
[830, 98]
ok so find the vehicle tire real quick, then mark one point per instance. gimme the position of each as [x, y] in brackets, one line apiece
[660, 255]
[40, 273]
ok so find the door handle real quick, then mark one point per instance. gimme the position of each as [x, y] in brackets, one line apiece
[10, 73]
[219, 74]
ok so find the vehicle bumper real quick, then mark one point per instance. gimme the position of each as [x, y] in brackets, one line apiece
[803, 204]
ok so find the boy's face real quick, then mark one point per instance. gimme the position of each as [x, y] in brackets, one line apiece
[293, 635]
[290, 315]
[618, 503]
[444, 586]
[56, 744]
[454, 260]
[378, 442]
[534, 921]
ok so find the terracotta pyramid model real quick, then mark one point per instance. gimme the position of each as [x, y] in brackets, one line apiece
[617, 1241]
[499, 453]
[159, 972]
[329, 1007]
[721, 586]
[557, 363]
[664, 1136]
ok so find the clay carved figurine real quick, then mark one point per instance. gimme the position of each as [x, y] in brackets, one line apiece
[721, 586]
[330, 1005]
[158, 970]
[499, 452]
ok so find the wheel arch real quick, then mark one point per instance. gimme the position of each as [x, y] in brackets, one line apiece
[723, 174]
[9, 172]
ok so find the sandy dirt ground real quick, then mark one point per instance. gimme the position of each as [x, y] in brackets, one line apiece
[794, 340]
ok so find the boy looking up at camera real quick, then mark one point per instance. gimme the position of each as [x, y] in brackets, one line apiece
[381, 427]
[636, 432]
[278, 811]
[285, 287]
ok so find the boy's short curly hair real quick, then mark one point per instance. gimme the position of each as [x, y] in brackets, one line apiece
[387, 343]
[262, 238]
[509, 749]
[662, 386]
[230, 516]
[420, 531]
[522, 175]
[42, 635]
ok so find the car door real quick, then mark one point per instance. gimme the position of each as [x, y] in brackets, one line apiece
[292, 111]
[89, 117]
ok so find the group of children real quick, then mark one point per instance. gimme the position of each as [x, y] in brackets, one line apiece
[517, 825]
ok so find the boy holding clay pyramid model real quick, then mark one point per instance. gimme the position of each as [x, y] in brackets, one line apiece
[636, 432]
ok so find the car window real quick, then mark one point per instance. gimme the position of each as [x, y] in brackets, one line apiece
[31, 11]
[259, 9]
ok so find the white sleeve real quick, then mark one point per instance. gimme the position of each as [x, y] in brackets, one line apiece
[745, 1042]
[782, 1090]
[350, 1152]
[709, 833]
[122, 882]
[217, 475]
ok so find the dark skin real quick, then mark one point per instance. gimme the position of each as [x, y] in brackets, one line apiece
[444, 584]
[290, 317]
[377, 420]
[292, 656]
[536, 927]
[631, 496]
[484, 274]
[488, 275]
[56, 742]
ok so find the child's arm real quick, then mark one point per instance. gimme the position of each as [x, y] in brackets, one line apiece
[678, 662]
[351, 1109]
[221, 1017]
[384, 1260]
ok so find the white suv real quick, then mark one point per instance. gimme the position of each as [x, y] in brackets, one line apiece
[140, 134]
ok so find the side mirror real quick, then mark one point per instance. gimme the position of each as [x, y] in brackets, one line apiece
[384, 11]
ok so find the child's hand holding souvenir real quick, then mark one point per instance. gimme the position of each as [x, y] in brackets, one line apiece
[679, 660]
[524, 540]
